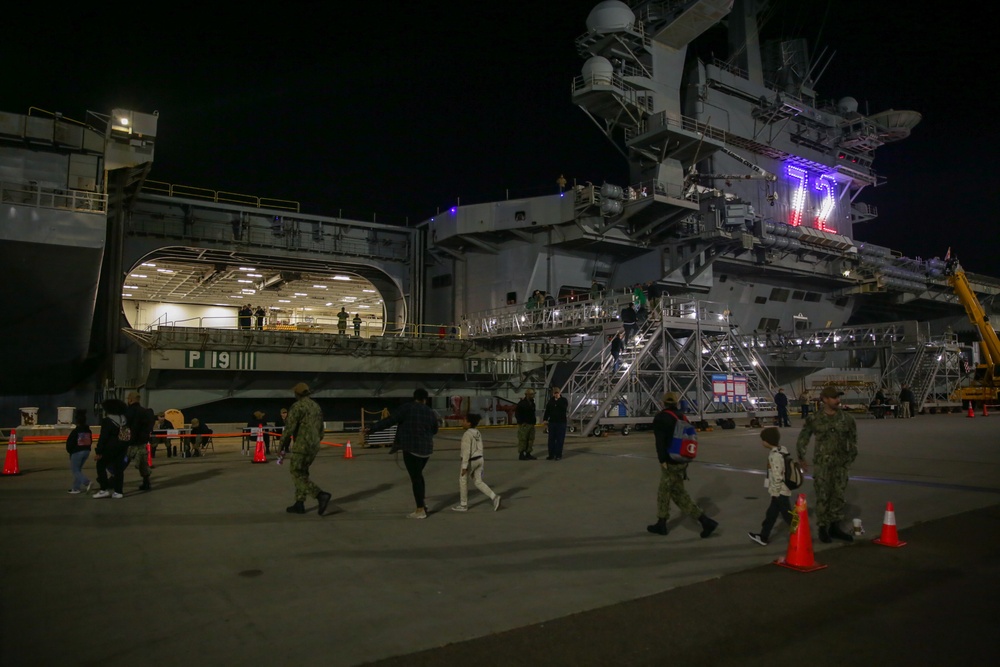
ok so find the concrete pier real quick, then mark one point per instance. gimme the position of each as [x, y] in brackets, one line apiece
[209, 569]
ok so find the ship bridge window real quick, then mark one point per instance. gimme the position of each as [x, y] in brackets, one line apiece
[813, 296]
[768, 324]
[798, 295]
[779, 294]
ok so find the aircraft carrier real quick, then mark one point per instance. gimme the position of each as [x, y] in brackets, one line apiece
[745, 185]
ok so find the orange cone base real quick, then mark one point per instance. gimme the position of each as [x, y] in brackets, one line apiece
[878, 540]
[800, 568]
[10, 465]
[348, 453]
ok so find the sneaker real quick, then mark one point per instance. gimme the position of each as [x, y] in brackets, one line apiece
[73, 492]
[102, 494]
[419, 514]
[758, 539]
[496, 503]
[117, 495]
[458, 508]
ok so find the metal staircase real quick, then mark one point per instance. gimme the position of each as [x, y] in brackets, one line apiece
[684, 346]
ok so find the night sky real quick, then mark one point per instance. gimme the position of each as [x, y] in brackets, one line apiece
[392, 110]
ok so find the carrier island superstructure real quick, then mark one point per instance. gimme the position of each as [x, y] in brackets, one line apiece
[744, 187]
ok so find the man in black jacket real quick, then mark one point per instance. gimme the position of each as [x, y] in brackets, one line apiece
[555, 417]
[526, 418]
[140, 421]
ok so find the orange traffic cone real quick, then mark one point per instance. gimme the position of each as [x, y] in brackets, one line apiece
[986, 413]
[972, 412]
[800, 549]
[889, 537]
[348, 453]
[149, 455]
[10, 466]
[259, 456]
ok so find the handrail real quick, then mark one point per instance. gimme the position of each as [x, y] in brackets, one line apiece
[32, 194]
[220, 196]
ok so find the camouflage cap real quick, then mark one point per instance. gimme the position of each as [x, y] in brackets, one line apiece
[830, 392]
[671, 398]
[301, 389]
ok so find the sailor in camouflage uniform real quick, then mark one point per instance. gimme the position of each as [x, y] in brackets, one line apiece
[672, 475]
[305, 425]
[836, 448]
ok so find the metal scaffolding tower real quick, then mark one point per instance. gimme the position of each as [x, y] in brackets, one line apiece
[685, 346]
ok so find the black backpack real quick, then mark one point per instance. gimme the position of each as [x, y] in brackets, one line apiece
[793, 473]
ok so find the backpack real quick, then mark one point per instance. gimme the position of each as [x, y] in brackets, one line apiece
[793, 472]
[684, 445]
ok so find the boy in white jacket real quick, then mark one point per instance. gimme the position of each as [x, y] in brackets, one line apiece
[472, 465]
[780, 494]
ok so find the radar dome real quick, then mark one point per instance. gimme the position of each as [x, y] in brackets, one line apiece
[847, 105]
[610, 16]
[598, 69]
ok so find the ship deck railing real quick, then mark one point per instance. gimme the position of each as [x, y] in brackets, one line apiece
[588, 315]
[32, 194]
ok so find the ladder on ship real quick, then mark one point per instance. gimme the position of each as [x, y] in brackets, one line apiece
[684, 346]
[935, 374]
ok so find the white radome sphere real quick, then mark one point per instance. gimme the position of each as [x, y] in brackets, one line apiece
[598, 69]
[610, 16]
[847, 105]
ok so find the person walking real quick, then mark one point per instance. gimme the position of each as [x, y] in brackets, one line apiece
[629, 320]
[304, 429]
[78, 445]
[555, 417]
[472, 465]
[781, 402]
[836, 448]
[617, 344]
[416, 424]
[524, 413]
[109, 454]
[140, 423]
[781, 504]
[672, 475]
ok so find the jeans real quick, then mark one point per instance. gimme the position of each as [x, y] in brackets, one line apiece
[415, 467]
[557, 436]
[780, 506]
[76, 461]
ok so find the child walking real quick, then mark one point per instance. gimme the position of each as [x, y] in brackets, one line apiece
[472, 465]
[780, 494]
[78, 445]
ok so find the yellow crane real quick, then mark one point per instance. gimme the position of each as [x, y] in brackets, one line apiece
[984, 385]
